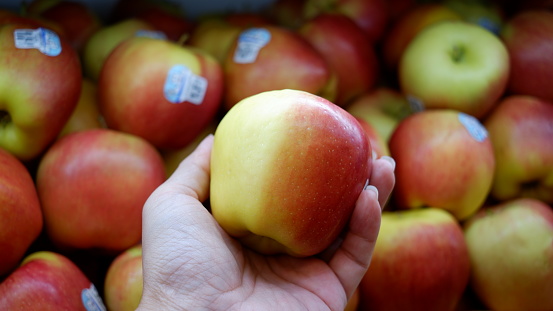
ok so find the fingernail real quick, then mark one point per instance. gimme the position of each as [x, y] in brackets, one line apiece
[390, 160]
[372, 188]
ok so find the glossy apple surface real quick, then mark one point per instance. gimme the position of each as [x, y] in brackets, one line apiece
[123, 281]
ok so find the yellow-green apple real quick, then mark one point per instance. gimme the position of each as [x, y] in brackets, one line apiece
[105, 39]
[159, 90]
[87, 113]
[528, 37]
[521, 132]
[444, 159]
[370, 15]
[378, 144]
[272, 58]
[78, 20]
[456, 65]
[40, 83]
[92, 185]
[511, 254]
[344, 46]
[420, 262]
[49, 281]
[406, 27]
[123, 281]
[383, 108]
[20, 213]
[287, 167]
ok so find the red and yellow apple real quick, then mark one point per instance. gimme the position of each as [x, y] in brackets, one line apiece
[287, 167]
[521, 132]
[420, 262]
[511, 254]
[123, 281]
[444, 159]
[20, 213]
[87, 113]
[92, 186]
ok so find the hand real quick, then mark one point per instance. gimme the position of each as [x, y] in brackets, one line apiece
[190, 263]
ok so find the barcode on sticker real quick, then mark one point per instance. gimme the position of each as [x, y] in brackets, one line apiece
[250, 42]
[182, 85]
[44, 40]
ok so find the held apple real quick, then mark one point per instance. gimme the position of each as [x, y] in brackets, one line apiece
[511, 252]
[348, 52]
[528, 37]
[521, 132]
[20, 213]
[455, 65]
[444, 159]
[159, 90]
[420, 262]
[40, 83]
[273, 58]
[49, 281]
[92, 186]
[287, 167]
[123, 281]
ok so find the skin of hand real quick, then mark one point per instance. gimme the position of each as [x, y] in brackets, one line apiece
[191, 263]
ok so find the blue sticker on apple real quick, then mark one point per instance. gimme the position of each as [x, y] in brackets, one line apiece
[473, 126]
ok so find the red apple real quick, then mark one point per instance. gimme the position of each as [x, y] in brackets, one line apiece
[273, 58]
[161, 91]
[170, 21]
[528, 37]
[92, 185]
[20, 213]
[123, 281]
[87, 113]
[41, 83]
[521, 132]
[287, 167]
[511, 252]
[371, 16]
[346, 49]
[420, 262]
[48, 281]
[444, 159]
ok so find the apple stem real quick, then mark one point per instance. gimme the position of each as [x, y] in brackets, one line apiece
[457, 53]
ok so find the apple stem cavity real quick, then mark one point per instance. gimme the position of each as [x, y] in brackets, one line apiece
[457, 53]
[5, 118]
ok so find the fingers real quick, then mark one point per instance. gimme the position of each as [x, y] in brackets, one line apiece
[383, 178]
[192, 175]
[352, 258]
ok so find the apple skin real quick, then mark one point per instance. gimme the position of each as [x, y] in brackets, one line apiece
[131, 91]
[293, 63]
[378, 144]
[521, 132]
[420, 262]
[406, 27]
[456, 65]
[39, 93]
[528, 37]
[87, 113]
[92, 186]
[287, 167]
[104, 40]
[511, 254]
[346, 49]
[383, 108]
[123, 281]
[20, 212]
[47, 281]
[372, 16]
[439, 163]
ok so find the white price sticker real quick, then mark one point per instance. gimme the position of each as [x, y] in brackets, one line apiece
[250, 42]
[44, 40]
[182, 85]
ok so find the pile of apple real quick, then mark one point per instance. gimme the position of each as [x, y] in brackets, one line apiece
[96, 113]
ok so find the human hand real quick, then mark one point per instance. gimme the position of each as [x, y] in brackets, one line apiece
[191, 263]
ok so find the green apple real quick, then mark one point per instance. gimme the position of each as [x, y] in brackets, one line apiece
[456, 65]
[287, 167]
[123, 280]
[444, 159]
[420, 262]
[521, 132]
[511, 252]
[20, 212]
[40, 83]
